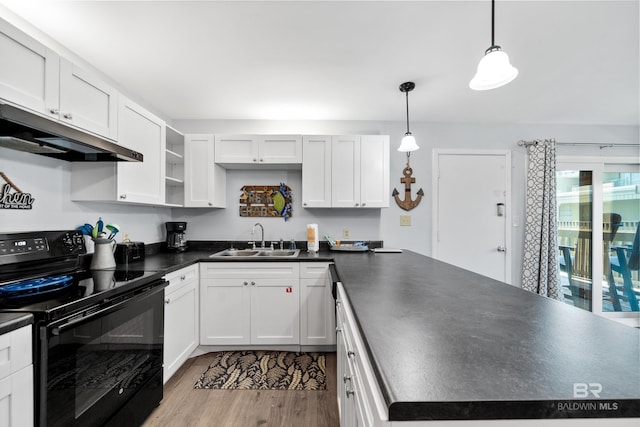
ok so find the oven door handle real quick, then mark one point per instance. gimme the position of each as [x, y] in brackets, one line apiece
[58, 327]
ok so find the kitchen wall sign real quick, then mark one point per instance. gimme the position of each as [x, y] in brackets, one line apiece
[16, 199]
[266, 201]
[407, 204]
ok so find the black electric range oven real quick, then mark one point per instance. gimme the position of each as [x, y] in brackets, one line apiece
[98, 335]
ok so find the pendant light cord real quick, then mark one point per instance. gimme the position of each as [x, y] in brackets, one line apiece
[407, 97]
[493, 13]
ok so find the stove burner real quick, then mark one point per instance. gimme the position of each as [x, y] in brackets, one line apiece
[35, 287]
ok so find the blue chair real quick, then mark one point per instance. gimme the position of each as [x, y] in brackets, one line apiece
[626, 258]
[580, 295]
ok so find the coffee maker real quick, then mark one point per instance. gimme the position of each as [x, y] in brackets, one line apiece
[176, 241]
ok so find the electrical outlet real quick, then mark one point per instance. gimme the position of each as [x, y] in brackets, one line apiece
[405, 220]
[345, 233]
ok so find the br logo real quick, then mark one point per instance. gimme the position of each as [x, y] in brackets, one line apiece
[582, 390]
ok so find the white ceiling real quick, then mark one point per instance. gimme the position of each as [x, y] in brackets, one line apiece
[579, 61]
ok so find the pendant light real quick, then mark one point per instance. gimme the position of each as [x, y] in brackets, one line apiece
[408, 142]
[494, 69]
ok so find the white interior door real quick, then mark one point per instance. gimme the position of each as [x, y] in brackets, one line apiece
[472, 211]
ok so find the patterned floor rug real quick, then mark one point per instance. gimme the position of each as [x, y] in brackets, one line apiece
[265, 370]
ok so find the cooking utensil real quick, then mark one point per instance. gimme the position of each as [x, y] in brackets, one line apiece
[114, 229]
[86, 229]
[98, 228]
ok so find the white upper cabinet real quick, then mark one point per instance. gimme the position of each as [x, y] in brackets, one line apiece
[131, 182]
[283, 149]
[316, 171]
[374, 171]
[345, 171]
[88, 102]
[205, 182]
[360, 171]
[34, 77]
[141, 182]
[30, 72]
[242, 151]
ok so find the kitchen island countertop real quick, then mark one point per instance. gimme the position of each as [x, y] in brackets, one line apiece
[446, 343]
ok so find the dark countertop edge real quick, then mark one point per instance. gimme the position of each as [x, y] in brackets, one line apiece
[538, 409]
[12, 321]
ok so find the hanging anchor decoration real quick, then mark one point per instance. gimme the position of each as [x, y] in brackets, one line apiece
[407, 204]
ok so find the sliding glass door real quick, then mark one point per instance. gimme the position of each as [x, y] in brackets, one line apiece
[598, 226]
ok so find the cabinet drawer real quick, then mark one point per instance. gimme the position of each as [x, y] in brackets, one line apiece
[244, 270]
[15, 350]
[180, 278]
[313, 270]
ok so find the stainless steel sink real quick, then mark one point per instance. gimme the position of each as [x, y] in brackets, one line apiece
[263, 253]
[236, 253]
[280, 253]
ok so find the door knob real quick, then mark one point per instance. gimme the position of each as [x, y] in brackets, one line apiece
[502, 249]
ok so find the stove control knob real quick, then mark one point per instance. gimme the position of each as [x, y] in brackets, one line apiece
[71, 242]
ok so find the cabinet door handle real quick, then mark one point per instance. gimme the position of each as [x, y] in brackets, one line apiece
[351, 353]
[304, 204]
[346, 378]
[364, 204]
[357, 204]
[68, 116]
[253, 283]
[245, 283]
[182, 278]
[167, 301]
[255, 160]
[350, 393]
[54, 111]
[338, 330]
[210, 204]
[262, 160]
[123, 196]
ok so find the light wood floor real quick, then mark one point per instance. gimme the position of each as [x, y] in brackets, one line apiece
[183, 405]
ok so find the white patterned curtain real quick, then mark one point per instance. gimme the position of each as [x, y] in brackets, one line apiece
[540, 267]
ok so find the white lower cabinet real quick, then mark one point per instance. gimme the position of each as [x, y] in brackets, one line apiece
[249, 303]
[181, 318]
[16, 378]
[317, 318]
[360, 401]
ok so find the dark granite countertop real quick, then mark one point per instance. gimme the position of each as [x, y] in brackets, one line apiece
[12, 321]
[446, 343]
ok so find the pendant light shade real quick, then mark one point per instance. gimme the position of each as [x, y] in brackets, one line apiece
[494, 69]
[408, 142]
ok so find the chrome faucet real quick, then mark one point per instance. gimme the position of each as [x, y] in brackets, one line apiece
[253, 230]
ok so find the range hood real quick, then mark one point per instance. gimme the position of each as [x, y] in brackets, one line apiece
[26, 131]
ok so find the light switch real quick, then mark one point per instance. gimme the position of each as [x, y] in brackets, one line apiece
[405, 220]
